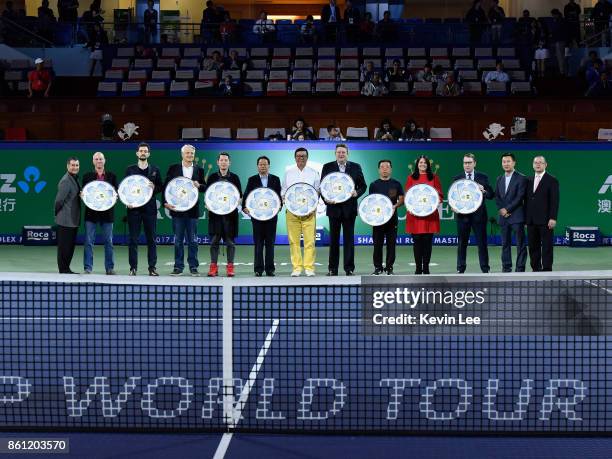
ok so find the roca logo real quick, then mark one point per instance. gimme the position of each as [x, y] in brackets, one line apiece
[585, 236]
[38, 235]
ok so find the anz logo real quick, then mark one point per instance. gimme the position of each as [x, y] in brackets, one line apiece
[31, 181]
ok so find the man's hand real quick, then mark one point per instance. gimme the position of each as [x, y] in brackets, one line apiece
[245, 211]
[196, 183]
[169, 206]
[503, 212]
[552, 223]
[353, 194]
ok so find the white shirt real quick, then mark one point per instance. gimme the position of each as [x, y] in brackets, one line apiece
[188, 171]
[263, 25]
[264, 180]
[496, 75]
[536, 181]
[342, 167]
[508, 178]
[473, 174]
[295, 175]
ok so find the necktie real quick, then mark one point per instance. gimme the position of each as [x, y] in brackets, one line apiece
[469, 176]
[536, 182]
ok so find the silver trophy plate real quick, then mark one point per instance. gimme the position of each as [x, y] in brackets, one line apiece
[301, 199]
[464, 196]
[222, 197]
[263, 204]
[99, 195]
[135, 191]
[422, 200]
[376, 209]
[181, 193]
[337, 187]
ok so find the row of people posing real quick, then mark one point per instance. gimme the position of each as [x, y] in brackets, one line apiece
[512, 195]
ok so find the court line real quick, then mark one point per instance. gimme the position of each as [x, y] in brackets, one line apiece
[244, 394]
[595, 284]
[166, 319]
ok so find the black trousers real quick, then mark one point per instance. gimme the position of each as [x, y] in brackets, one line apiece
[136, 220]
[540, 241]
[422, 244]
[521, 246]
[464, 228]
[66, 241]
[347, 224]
[379, 233]
[264, 235]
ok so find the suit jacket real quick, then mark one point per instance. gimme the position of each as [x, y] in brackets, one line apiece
[326, 14]
[176, 170]
[254, 182]
[542, 205]
[513, 200]
[67, 202]
[107, 216]
[480, 215]
[224, 224]
[348, 208]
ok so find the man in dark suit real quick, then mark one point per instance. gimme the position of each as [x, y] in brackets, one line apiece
[185, 223]
[67, 215]
[476, 221]
[510, 192]
[330, 17]
[541, 209]
[343, 215]
[146, 215]
[264, 232]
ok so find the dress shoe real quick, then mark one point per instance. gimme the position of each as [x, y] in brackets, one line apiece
[258, 274]
[506, 270]
[332, 273]
[270, 273]
[110, 272]
[377, 272]
[69, 272]
[389, 271]
[194, 272]
[132, 271]
[349, 273]
[460, 271]
[176, 272]
[153, 271]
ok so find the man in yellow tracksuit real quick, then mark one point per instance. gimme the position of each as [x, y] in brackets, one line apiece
[298, 226]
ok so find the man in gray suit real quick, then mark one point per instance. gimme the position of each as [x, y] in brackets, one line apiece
[510, 192]
[67, 215]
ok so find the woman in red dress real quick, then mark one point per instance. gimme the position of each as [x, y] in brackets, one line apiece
[423, 228]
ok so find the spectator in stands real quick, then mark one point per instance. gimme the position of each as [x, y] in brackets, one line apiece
[593, 74]
[367, 72]
[89, 19]
[301, 129]
[264, 28]
[386, 29]
[477, 20]
[558, 38]
[396, 73]
[439, 76]
[602, 88]
[572, 20]
[227, 29]
[68, 10]
[601, 17]
[411, 131]
[97, 40]
[150, 23]
[374, 87]
[334, 133]
[426, 75]
[450, 88]
[498, 74]
[9, 13]
[527, 29]
[330, 17]
[143, 52]
[366, 27]
[387, 132]
[275, 137]
[308, 32]
[235, 62]
[496, 19]
[209, 27]
[40, 80]
[214, 62]
[352, 19]
[541, 56]
[46, 21]
[228, 87]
